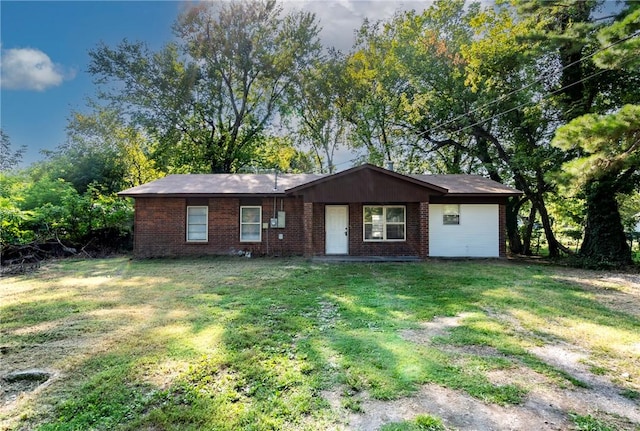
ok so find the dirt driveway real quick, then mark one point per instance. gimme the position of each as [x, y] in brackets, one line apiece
[547, 406]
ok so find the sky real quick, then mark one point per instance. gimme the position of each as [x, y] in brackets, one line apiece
[44, 53]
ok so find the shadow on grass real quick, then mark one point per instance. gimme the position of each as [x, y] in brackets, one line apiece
[252, 344]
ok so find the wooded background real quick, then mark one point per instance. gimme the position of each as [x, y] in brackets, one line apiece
[540, 95]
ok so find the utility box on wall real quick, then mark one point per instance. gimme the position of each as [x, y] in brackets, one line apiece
[278, 222]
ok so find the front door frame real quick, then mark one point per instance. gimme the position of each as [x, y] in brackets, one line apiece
[343, 248]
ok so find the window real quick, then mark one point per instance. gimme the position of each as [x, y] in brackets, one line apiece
[451, 214]
[197, 225]
[250, 224]
[384, 223]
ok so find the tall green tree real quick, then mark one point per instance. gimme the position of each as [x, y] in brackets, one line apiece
[514, 73]
[320, 124]
[608, 148]
[453, 67]
[609, 165]
[209, 98]
[102, 149]
[371, 98]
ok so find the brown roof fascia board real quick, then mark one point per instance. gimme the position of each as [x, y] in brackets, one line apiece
[346, 172]
[483, 195]
[201, 195]
[470, 199]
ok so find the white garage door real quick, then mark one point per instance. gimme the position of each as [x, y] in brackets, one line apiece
[474, 235]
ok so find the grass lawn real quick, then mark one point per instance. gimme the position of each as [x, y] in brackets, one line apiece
[261, 344]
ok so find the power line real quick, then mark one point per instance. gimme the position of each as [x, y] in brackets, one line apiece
[531, 102]
[503, 97]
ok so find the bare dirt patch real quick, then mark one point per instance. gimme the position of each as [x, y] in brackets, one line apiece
[17, 382]
[57, 349]
[619, 291]
[460, 411]
[436, 328]
[548, 405]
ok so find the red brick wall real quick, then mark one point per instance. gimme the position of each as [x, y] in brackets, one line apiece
[502, 230]
[318, 230]
[160, 228]
[358, 247]
[308, 229]
[424, 229]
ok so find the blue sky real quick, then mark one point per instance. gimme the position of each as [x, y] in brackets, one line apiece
[45, 45]
[45, 56]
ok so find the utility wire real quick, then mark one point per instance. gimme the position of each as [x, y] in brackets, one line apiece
[541, 98]
[503, 97]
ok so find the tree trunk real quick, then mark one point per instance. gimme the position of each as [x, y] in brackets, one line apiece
[552, 242]
[527, 237]
[604, 238]
[513, 208]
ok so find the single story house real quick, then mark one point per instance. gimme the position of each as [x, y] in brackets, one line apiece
[362, 211]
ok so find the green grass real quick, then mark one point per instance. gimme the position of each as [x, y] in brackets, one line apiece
[420, 423]
[589, 423]
[227, 344]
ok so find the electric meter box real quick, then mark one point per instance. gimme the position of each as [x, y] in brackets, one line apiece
[281, 219]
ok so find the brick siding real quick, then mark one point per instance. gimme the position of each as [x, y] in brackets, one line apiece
[502, 230]
[160, 229]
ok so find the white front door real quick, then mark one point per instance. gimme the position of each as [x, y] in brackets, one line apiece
[336, 229]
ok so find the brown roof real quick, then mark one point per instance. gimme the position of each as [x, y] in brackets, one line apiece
[220, 184]
[468, 185]
[263, 184]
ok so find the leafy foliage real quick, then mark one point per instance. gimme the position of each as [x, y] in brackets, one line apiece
[209, 97]
[608, 155]
[9, 158]
[539, 95]
[321, 124]
[37, 210]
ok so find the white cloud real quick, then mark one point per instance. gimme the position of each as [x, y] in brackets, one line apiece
[340, 19]
[30, 69]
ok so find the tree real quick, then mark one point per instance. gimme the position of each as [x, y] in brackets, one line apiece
[515, 73]
[321, 125]
[9, 158]
[498, 94]
[452, 70]
[209, 97]
[101, 149]
[622, 41]
[280, 154]
[371, 98]
[609, 165]
[37, 208]
[608, 148]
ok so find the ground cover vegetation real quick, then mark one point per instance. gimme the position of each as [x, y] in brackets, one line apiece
[265, 344]
[539, 95]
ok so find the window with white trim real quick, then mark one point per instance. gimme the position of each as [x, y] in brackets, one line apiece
[250, 224]
[384, 223]
[451, 214]
[197, 223]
